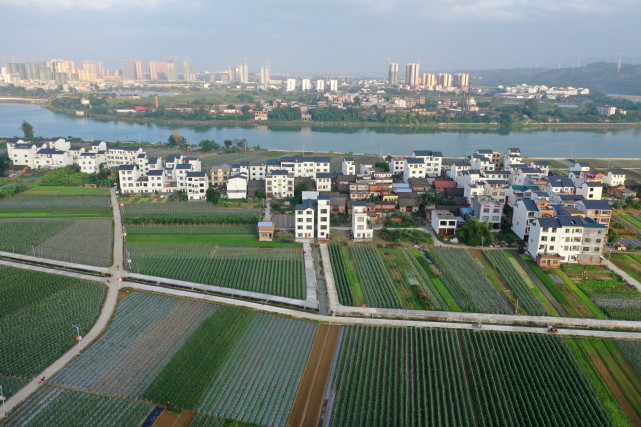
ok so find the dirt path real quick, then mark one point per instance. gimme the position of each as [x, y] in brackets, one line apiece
[307, 407]
[616, 391]
[557, 306]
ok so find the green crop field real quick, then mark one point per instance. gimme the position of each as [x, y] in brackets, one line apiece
[36, 317]
[52, 406]
[518, 282]
[192, 230]
[274, 271]
[632, 351]
[63, 190]
[467, 282]
[40, 205]
[375, 282]
[402, 376]
[184, 212]
[83, 241]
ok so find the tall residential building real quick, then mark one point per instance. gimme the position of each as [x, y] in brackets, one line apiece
[244, 72]
[231, 73]
[320, 85]
[444, 79]
[461, 81]
[333, 85]
[291, 85]
[188, 71]
[412, 74]
[306, 85]
[87, 75]
[393, 73]
[265, 74]
[62, 66]
[129, 70]
[158, 70]
[139, 73]
[428, 79]
[172, 70]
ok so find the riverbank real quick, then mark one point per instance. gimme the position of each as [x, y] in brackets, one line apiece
[355, 125]
[17, 100]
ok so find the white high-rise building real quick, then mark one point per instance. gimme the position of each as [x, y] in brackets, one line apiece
[320, 85]
[244, 72]
[306, 85]
[265, 74]
[333, 85]
[412, 74]
[393, 73]
[291, 85]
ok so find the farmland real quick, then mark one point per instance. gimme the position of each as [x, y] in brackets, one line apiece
[467, 283]
[83, 241]
[274, 271]
[458, 378]
[529, 297]
[375, 282]
[36, 315]
[55, 202]
[603, 291]
[51, 406]
[186, 212]
[192, 230]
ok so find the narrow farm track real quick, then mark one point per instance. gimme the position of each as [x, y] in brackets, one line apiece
[307, 407]
[558, 307]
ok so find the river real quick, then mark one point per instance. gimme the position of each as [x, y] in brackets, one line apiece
[624, 142]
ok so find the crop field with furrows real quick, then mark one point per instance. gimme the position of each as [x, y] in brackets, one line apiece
[11, 384]
[192, 230]
[83, 241]
[402, 377]
[467, 283]
[516, 279]
[632, 351]
[252, 375]
[52, 406]
[145, 333]
[529, 379]
[375, 283]
[39, 201]
[162, 212]
[37, 315]
[64, 190]
[274, 271]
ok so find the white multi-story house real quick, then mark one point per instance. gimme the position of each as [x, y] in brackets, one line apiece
[444, 222]
[240, 168]
[98, 145]
[433, 161]
[488, 211]
[615, 178]
[304, 219]
[348, 166]
[524, 214]
[23, 153]
[279, 184]
[544, 165]
[156, 181]
[117, 156]
[74, 155]
[482, 163]
[197, 185]
[90, 162]
[590, 190]
[257, 172]
[323, 182]
[128, 176]
[237, 187]
[413, 167]
[396, 165]
[523, 176]
[496, 189]
[494, 156]
[361, 229]
[323, 204]
[457, 168]
[51, 158]
[566, 239]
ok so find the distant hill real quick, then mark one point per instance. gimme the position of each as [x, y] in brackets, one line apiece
[596, 76]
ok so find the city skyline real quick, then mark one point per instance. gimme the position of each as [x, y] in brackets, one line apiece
[296, 38]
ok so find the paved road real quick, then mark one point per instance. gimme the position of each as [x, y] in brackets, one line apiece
[628, 278]
[103, 320]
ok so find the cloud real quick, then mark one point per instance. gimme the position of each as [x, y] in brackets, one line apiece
[94, 5]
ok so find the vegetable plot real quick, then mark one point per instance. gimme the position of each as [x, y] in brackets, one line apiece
[274, 271]
[378, 289]
[467, 282]
[192, 230]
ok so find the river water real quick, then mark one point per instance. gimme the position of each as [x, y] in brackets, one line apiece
[625, 142]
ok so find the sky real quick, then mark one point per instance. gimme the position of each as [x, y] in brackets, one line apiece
[330, 37]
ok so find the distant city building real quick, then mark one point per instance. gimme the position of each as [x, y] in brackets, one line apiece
[444, 80]
[320, 85]
[188, 71]
[393, 73]
[172, 70]
[158, 70]
[333, 85]
[461, 81]
[129, 70]
[244, 72]
[428, 79]
[290, 85]
[265, 74]
[412, 73]
[306, 85]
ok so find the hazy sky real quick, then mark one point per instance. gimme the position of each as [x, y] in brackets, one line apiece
[326, 37]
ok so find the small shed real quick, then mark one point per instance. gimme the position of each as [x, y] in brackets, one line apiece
[265, 231]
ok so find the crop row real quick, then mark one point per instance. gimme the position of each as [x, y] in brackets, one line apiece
[467, 282]
[183, 208]
[414, 259]
[192, 230]
[617, 299]
[400, 377]
[10, 384]
[378, 289]
[341, 277]
[27, 201]
[147, 330]
[521, 287]
[528, 379]
[270, 271]
[260, 377]
[83, 241]
[52, 406]
[632, 351]
[37, 314]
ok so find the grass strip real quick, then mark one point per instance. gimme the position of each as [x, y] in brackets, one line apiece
[584, 298]
[535, 290]
[212, 240]
[449, 300]
[549, 284]
[580, 349]
[352, 278]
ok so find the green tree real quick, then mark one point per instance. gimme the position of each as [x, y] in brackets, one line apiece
[27, 129]
[212, 195]
[475, 233]
[209, 145]
[176, 139]
[384, 166]
[228, 143]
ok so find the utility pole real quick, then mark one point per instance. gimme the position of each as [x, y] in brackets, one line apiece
[78, 336]
[4, 408]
